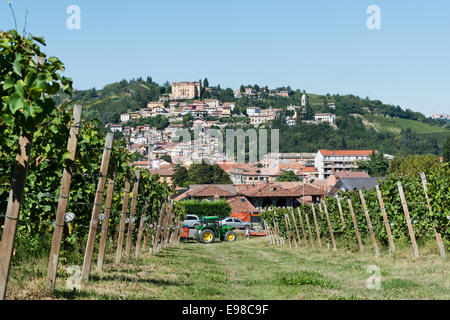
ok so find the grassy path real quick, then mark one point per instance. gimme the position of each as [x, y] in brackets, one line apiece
[255, 270]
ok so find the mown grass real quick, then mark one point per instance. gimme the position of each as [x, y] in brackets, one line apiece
[251, 269]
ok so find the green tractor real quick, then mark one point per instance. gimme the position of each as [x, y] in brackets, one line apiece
[211, 229]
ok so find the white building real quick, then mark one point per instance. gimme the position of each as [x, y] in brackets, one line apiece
[253, 111]
[116, 128]
[325, 117]
[329, 162]
[304, 100]
[125, 117]
[213, 103]
[291, 122]
[139, 139]
[264, 116]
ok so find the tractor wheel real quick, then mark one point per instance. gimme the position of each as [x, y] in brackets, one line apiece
[230, 236]
[207, 236]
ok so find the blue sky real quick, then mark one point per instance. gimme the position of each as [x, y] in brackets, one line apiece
[318, 46]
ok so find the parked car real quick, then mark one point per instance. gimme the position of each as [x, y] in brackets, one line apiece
[191, 221]
[236, 223]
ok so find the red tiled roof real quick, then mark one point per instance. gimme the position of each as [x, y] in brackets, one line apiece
[241, 204]
[164, 171]
[210, 191]
[346, 152]
[351, 174]
[281, 189]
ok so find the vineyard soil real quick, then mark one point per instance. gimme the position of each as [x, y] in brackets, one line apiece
[250, 270]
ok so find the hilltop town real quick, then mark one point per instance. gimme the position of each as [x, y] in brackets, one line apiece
[153, 132]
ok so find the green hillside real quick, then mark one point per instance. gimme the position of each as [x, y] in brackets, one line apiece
[396, 125]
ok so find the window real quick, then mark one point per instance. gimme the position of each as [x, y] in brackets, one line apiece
[229, 220]
[237, 221]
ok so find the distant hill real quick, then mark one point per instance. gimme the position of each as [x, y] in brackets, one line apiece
[362, 123]
[108, 103]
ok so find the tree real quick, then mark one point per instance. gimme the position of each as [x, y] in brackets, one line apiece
[180, 176]
[220, 208]
[414, 164]
[309, 115]
[376, 166]
[220, 176]
[207, 174]
[288, 176]
[206, 83]
[167, 158]
[446, 153]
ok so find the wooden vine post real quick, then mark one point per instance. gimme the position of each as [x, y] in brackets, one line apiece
[341, 215]
[63, 199]
[439, 241]
[269, 233]
[369, 224]
[147, 230]
[305, 241]
[167, 229]
[105, 224]
[140, 232]
[163, 229]
[96, 208]
[277, 230]
[316, 225]
[355, 224]
[330, 227]
[408, 220]
[385, 219]
[296, 227]
[122, 223]
[311, 238]
[158, 228]
[132, 215]
[287, 230]
[291, 230]
[13, 209]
